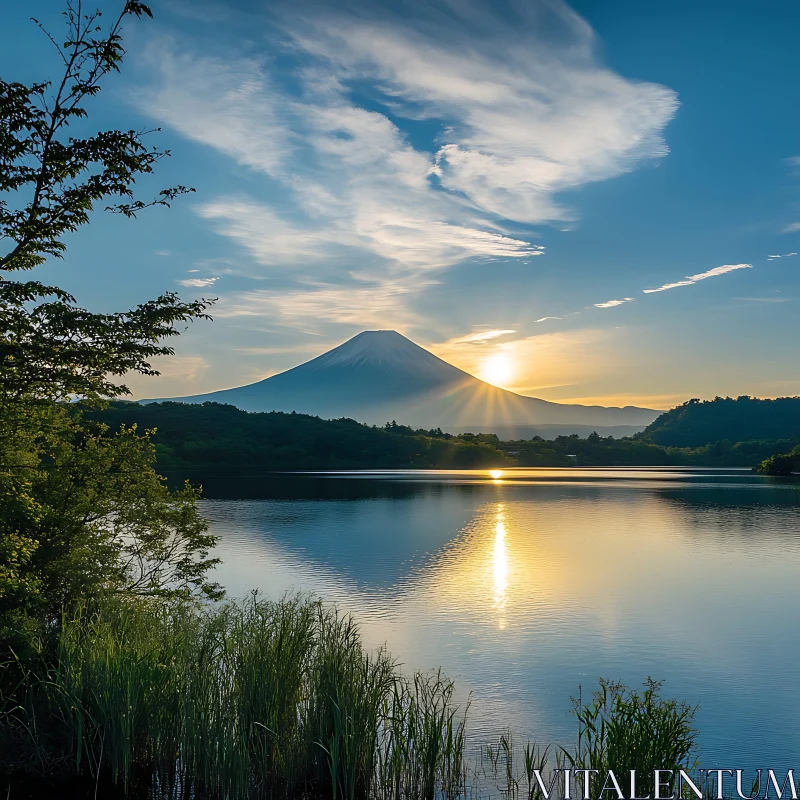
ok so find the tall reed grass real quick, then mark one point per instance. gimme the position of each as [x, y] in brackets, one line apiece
[260, 699]
[253, 699]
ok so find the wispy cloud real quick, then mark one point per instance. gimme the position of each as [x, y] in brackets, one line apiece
[314, 306]
[544, 319]
[792, 227]
[521, 109]
[613, 303]
[198, 283]
[481, 337]
[701, 276]
[524, 117]
[785, 255]
[764, 299]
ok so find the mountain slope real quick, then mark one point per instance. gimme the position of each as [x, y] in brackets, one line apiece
[697, 423]
[381, 375]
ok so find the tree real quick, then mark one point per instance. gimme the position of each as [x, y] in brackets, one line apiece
[50, 182]
[82, 510]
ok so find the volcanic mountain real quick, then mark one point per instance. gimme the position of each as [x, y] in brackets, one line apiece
[379, 376]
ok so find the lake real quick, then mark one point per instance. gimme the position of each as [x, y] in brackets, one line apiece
[525, 584]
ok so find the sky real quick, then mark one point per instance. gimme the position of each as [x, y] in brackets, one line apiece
[596, 202]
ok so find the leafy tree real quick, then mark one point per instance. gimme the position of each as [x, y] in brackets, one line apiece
[81, 511]
[781, 463]
[50, 182]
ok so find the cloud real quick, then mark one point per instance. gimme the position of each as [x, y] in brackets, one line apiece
[544, 319]
[199, 283]
[527, 109]
[379, 305]
[410, 241]
[793, 227]
[228, 105]
[515, 109]
[481, 337]
[690, 279]
[613, 303]
[178, 375]
[764, 299]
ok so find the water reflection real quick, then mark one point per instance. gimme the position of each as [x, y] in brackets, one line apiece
[500, 561]
[524, 587]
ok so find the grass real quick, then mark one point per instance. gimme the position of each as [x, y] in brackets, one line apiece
[275, 700]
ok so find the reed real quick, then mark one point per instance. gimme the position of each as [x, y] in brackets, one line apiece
[244, 700]
[281, 700]
[623, 729]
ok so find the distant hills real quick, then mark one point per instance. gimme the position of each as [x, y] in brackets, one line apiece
[697, 423]
[379, 376]
[202, 442]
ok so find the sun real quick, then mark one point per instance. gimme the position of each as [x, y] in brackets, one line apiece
[497, 369]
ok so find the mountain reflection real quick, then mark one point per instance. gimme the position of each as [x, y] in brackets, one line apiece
[524, 587]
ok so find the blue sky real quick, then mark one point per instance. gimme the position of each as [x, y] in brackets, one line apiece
[580, 202]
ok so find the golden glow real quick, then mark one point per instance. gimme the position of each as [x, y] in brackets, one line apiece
[500, 566]
[497, 369]
[496, 474]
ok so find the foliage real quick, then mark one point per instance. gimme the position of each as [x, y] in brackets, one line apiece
[196, 440]
[82, 511]
[50, 182]
[251, 699]
[211, 436]
[699, 423]
[781, 464]
[621, 729]
[599, 451]
[52, 349]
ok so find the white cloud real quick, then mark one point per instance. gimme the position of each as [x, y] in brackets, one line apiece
[481, 337]
[199, 283]
[614, 303]
[701, 276]
[544, 319]
[379, 305]
[789, 255]
[526, 106]
[518, 111]
[229, 106]
[793, 227]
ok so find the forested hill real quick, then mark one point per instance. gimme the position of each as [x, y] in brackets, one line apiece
[195, 441]
[698, 423]
[213, 436]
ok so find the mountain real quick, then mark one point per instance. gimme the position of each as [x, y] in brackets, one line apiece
[379, 376]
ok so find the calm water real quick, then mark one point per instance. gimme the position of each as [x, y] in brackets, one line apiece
[529, 584]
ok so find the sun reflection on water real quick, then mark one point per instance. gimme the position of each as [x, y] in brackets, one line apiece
[500, 564]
